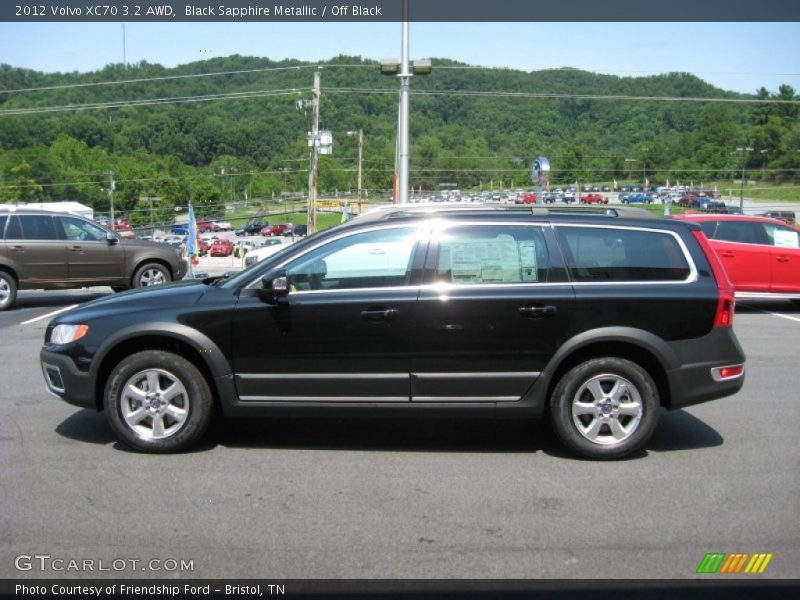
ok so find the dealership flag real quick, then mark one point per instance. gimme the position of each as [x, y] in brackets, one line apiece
[192, 251]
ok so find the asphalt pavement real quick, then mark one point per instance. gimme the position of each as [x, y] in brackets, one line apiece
[286, 498]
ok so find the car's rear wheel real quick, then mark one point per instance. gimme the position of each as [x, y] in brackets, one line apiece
[8, 290]
[157, 401]
[151, 274]
[605, 408]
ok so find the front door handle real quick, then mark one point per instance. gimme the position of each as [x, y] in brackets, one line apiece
[782, 259]
[537, 312]
[17, 248]
[727, 254]
[379, 314]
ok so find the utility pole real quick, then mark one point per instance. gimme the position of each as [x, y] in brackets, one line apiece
[312, 173]
[360, 158]
[111, 186]
[744, 150]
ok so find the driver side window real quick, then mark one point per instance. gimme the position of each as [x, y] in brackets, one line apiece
[371, 259]
[77, 230]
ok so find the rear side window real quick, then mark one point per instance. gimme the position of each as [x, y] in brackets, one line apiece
[743, 232]
[480, 254]
[14, 230]
[708, 228]
[596, 254]
[3, 220]
[37, 228]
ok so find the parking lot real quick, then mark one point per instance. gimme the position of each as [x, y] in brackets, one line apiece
[415, 499]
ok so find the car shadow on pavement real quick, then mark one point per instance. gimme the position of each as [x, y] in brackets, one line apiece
[381, 435]
[42, 299]
[772, 306]
[680, 430]
[86, 425]
[677, 430]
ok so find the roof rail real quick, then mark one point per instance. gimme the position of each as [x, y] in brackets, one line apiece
[403, 210]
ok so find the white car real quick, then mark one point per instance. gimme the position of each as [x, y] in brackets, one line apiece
[260, 254]
[222, 226]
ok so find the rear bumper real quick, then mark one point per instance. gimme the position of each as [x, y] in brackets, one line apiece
[64, 380]
[697, 379]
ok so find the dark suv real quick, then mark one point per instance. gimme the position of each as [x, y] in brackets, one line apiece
[46, 250]
[594, 321]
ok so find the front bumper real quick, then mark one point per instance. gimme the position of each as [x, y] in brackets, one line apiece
[183, 268]
[63, 379]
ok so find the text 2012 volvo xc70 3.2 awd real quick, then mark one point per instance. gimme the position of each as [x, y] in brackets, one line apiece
[595, 321]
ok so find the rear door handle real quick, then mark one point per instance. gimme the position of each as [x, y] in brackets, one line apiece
[17, 248]
[537, 312]
[727, 254]
[782, 259]
[379, 314]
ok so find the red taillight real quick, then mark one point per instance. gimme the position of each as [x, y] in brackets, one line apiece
[727, 301]
[725, 373]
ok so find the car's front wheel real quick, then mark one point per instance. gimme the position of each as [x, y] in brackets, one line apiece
[157, 401]
[8, 290]
[151, 274]
[605, 408]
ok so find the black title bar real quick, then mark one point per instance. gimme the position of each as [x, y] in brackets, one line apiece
[391, 10]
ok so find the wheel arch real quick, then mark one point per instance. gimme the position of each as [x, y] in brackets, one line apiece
[10, 271]
[641, 347]
[148, 260]
[183, 341]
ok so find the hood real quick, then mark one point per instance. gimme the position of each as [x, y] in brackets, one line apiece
[182, 293]
[136, 243]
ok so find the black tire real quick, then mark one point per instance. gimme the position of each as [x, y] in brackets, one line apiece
[611, 426]
[193, 402]
[8, 290]
[118, 288]
[151, 274]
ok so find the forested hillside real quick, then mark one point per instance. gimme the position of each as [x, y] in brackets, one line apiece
[214, 130]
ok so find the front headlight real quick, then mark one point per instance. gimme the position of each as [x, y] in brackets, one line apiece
[64, 334]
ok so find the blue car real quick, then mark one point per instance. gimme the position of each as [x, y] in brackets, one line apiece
[180, 229]
[637, 198]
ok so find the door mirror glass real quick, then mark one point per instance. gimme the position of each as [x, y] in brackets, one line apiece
[111, 238]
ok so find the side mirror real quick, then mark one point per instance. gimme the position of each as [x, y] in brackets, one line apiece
[274, 287]
[111, 238]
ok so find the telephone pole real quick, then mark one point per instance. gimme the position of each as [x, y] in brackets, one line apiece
[312, 173]
[111, 186]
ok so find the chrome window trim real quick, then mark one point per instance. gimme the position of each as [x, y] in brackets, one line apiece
[691, 278]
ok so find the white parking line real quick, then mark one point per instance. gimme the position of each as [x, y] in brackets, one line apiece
[50, 314]
[751, 307]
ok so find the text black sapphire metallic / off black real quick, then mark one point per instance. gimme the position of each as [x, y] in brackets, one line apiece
[594, 320]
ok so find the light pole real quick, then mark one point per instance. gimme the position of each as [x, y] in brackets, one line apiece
[404, 70]
[631, 160]
[360, 159]
[644, 169]
[744, 150]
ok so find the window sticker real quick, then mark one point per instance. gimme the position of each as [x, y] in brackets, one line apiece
[786, 239]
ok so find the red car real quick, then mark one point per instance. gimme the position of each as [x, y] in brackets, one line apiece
[223, 247]
[205, 226]
[282, 229]
[594, 199]
[526, 198]
[761, 255]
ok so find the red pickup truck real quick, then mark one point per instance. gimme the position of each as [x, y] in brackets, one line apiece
[594, 199]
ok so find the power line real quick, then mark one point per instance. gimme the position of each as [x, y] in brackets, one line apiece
[68, 86]
[558, 95]
[154, 101]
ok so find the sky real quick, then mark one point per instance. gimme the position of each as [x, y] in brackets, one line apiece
[738, 57]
